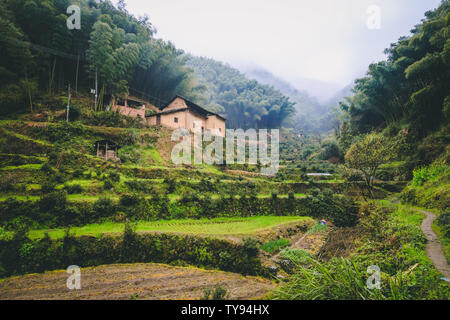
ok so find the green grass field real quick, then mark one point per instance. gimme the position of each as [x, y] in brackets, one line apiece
[217, 226]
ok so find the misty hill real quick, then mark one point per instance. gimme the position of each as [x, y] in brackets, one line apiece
[245, 102]
[312, 116]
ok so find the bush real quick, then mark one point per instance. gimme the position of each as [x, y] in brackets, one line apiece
[114, 176]
[54, 202]
[108, 184]
[128, 200]
[251, 247]
[58, 178]
[21, 255]
[218, 293]
[425, 174]
[73, 188]
[103, 207]
[47, 168]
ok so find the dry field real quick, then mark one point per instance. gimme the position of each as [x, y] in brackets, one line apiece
[134, 281]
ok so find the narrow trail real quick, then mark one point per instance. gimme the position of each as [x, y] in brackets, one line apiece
[434, 249]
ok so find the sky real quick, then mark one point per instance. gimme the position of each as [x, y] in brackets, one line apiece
[333, 41]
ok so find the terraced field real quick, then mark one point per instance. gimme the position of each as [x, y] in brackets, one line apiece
[217, 226]
[134, 281]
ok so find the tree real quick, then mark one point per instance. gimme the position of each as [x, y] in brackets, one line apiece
[367, 154]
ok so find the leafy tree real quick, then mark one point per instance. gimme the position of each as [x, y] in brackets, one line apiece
[368, 154]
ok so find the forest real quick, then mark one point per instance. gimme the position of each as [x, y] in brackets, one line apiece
[41, 57]
[245, 102]
[407, 96]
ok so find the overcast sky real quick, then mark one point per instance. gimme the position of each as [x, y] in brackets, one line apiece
[326, 40]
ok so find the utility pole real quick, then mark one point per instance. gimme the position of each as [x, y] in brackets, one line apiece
[96, 89]
[68, 105]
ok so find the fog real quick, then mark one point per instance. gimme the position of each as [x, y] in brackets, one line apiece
[324, 40]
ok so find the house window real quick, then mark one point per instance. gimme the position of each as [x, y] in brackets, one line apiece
[193, 125]
[175, 119]
[220, 129]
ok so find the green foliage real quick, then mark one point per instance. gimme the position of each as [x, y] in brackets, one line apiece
[118, 47]
[330, 149]
[218, 293]
[73, 188]
[275, 245]
[429, 187]
[444, 221]
[296, 256]
[318, 228]
[430, 173]
[409, 89]
[393, 241]
[368, 154]
[21, 255]
[108, 184]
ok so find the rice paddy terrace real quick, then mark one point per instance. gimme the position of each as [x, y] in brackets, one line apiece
[204, 223]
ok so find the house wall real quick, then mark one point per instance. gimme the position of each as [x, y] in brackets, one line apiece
[216, 125]
[131, 112]
[167, 120]
[187, 118]
[193, 118]
[151, 121]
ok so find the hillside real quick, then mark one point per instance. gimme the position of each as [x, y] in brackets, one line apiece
[348, 216]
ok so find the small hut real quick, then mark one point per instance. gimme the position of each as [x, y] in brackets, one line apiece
[107, 150]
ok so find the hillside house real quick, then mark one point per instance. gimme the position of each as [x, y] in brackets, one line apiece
[132, 107]
[182, 113]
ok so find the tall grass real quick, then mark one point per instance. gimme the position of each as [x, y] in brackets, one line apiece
[275, 245]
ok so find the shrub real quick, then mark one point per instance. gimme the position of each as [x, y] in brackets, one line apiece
[128, 200]
[78, 173]
[251, 247]
[108, 184]
[58, 178]
[218, 293]
[47, 168]
[53, 202]
[103, 207]
[114, 176]
[73, 188]
[425, 174]
[171, 184]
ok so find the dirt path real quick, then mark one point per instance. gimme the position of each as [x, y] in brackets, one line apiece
[140, 281]
[434, 249]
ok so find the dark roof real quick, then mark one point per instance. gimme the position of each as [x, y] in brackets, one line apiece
[191, 105]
